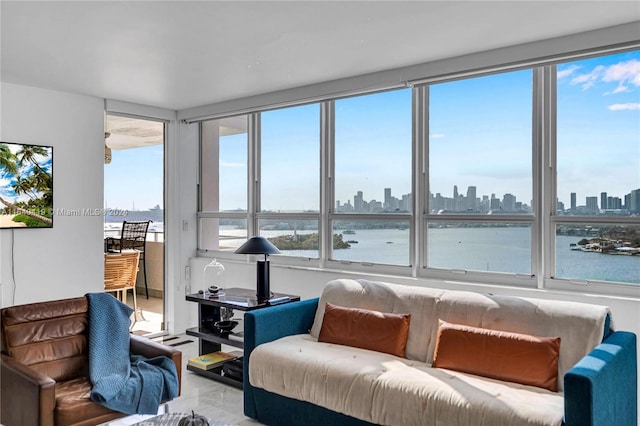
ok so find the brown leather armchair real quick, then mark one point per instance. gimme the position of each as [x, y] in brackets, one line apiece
[44, 365]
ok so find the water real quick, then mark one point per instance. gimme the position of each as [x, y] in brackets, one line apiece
[594, 266]
[496, 249]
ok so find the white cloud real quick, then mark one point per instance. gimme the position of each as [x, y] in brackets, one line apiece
[588, 80]
[622, 107]
[436, 135]
[568, 71]
[620, 89]
[623, 73]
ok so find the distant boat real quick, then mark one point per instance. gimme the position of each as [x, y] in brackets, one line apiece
[349, 232]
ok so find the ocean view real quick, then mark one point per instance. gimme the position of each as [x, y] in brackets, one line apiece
[482, 249]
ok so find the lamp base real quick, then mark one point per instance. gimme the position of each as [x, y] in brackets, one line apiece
[263, 292]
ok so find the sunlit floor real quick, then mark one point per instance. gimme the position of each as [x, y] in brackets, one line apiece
[221, 404]
[148, 318]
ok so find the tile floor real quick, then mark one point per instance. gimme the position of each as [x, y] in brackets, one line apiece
[149, 316]
[218, 402]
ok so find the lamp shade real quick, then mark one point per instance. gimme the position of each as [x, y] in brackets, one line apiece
[257, 245]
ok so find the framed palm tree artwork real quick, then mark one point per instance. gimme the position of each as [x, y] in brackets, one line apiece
[26, 186]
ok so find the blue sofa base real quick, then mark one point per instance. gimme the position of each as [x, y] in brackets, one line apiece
[277, 410]
[601, 390]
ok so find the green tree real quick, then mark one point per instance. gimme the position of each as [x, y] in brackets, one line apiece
[8, 160]
[38, 181]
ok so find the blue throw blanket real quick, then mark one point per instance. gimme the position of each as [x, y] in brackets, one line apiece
[130, 384]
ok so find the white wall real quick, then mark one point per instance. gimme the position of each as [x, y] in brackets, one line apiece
[182, 199]
[309, 283]
[67, 260]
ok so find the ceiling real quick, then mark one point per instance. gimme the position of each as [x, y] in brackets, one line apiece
[184, 54]
[127, 132]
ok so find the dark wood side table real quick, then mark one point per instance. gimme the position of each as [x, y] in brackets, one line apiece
[210, 339]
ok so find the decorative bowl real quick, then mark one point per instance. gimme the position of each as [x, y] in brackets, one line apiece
[226, 326]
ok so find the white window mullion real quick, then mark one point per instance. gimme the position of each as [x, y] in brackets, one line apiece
[421, 177]
[327, 171]
[253, 172]
[538, 146]
[549, 192]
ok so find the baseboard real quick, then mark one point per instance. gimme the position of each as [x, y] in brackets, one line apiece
[153, 292]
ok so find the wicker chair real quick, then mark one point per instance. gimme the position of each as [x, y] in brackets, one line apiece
[133, 236]
[120, 270]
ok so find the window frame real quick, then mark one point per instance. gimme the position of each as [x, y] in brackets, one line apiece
[543, 219]
[548, 83]
[427, 217]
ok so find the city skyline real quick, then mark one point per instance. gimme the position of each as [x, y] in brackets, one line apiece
[508, 202]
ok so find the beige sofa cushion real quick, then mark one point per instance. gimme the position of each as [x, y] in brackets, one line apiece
[388, 390]
[580, 326]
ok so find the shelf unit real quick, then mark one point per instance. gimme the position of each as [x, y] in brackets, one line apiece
[209, 312]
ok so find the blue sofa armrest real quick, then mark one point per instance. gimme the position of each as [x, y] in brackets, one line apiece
[602, 388]
[266, 325]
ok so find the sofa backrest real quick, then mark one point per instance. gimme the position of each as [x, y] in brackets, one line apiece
[580, 326]
[50, 337]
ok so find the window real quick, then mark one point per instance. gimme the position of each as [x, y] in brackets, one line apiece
[299, 238]
[290, 160]
[598, 104]
[379, 241]
[480, 163]
[598, 169]
[598, 252]
[223, 183]
[480, 246]
[289, 184]
[373, 175]
[480, 145]
[373, 153]
[512, 185]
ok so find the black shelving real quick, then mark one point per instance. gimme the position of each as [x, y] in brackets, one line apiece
[210, 339]
[203, 333]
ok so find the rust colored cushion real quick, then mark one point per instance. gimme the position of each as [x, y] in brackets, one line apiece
[501, 355]
[362, 328]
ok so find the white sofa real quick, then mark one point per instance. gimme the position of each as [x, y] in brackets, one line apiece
[378, 388]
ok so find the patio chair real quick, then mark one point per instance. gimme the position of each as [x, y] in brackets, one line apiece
[120, 270]
[132, 236]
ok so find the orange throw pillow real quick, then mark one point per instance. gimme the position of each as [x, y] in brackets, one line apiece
[362, 328]
[501, 355]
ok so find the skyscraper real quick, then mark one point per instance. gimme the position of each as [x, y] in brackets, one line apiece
[634, 201]
[603, 201]
[358, 204]
[471, 198]
[388, 203]
[573, 201]
[509, 203]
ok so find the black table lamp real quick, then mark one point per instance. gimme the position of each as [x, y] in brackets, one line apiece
[260, 245]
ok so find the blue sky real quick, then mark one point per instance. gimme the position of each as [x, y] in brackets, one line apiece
[480, 132]
[599, 127]
[134, 178]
